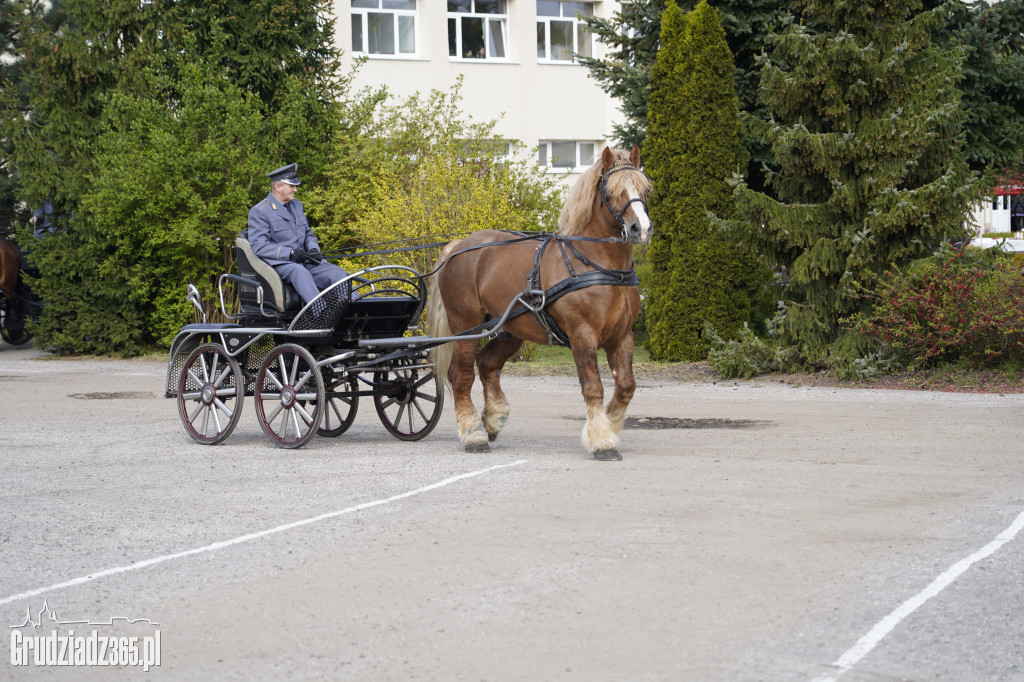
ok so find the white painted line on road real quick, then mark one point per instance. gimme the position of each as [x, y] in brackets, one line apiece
[253, 536]
[869, 641]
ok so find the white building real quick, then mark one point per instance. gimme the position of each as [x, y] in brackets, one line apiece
[1004, 212]
[515, 56]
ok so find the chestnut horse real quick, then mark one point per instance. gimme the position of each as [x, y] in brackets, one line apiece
[605, 214]
[10, 264]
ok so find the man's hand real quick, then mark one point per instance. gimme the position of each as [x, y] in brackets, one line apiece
[314, 255]
[298, 255]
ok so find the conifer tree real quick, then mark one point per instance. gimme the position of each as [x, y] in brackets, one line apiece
[865, 124]
[693, 146]
[262, 44]
[631, 35]
[279, 55]
[625, 73]
[69, 65]
[12, 99]
[993, 84]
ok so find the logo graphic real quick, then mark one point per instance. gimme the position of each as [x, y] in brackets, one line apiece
[61, 646]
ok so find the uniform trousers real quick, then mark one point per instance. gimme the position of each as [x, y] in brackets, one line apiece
[310, 279]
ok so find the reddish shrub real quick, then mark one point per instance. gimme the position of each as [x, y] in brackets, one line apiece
[960, 309]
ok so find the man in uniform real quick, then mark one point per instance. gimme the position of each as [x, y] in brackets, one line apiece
[279, 234]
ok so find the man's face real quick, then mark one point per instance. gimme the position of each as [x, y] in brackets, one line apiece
[284, 192]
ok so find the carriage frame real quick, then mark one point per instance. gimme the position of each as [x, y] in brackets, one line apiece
[307, 368]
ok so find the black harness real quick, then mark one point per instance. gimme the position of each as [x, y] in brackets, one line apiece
[620, 215]
[539, 298]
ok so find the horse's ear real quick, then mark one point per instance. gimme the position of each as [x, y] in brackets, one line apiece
[607, 158]
[634, 155]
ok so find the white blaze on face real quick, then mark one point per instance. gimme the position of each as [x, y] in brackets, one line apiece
[643, 222]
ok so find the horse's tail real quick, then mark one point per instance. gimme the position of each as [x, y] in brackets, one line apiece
[438, 325]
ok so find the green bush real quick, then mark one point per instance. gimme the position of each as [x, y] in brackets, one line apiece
[742, 358]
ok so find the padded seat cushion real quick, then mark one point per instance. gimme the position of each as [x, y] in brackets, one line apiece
[275, 291]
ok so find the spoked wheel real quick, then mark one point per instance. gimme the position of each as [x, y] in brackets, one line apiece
[289, 396]
[341, 406]
[408, 400]
[12, 324]
[210, 394]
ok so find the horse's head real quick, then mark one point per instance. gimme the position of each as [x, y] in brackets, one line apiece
[624, 189]
[612, 194]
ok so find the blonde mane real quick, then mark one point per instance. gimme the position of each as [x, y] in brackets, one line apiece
[579, 206]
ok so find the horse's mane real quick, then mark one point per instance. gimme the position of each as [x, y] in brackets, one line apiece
[580, 204]
[578, 209]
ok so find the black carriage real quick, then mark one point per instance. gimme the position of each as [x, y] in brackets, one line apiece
[306, 367]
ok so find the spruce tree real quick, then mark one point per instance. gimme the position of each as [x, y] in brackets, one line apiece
[865, 124]
[262, 44]
[993, 83]
[69, 64]
[693, 146]
[631, 35]
[12, 103]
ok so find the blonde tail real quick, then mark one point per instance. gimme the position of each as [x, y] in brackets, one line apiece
[438, 326]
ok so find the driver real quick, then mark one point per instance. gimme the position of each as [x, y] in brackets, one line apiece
[279, 234]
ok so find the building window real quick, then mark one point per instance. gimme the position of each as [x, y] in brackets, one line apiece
[566, 154]
[384, 27]
[477, 29]
[560, 31]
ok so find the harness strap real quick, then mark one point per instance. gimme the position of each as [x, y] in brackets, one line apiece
[619, 278]
[598, 276]
[625, 278]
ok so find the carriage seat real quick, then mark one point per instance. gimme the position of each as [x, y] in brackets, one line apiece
[278, 295]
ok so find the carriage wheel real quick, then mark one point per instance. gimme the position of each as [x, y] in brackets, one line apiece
[12, 332]
[408, 400]
[341, 406]
[289, 396]
[210, 394]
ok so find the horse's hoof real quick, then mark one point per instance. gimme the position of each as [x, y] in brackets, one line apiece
[478, 447]
[610, 455]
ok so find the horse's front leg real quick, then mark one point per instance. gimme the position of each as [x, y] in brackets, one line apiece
[598, 435]
[620, 359]
[472, 434]
[490, 360]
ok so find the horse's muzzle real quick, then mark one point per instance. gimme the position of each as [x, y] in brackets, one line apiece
[637, 233]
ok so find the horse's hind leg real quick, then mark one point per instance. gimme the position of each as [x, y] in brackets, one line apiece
[620, 359]
[490, 360]
[472, 434]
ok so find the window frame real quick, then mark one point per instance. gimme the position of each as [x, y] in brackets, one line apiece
[545, 152]
[396, 23]
[577, 26]
[501, 17]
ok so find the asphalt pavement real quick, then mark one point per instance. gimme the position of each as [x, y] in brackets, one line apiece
[753, 531]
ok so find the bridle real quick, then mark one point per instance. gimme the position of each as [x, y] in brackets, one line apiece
[619, 215]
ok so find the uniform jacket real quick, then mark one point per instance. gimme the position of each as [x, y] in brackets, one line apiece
[274, 231]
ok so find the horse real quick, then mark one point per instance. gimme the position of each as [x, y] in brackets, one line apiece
[605, 214]
[10, 265]
[17, 302]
